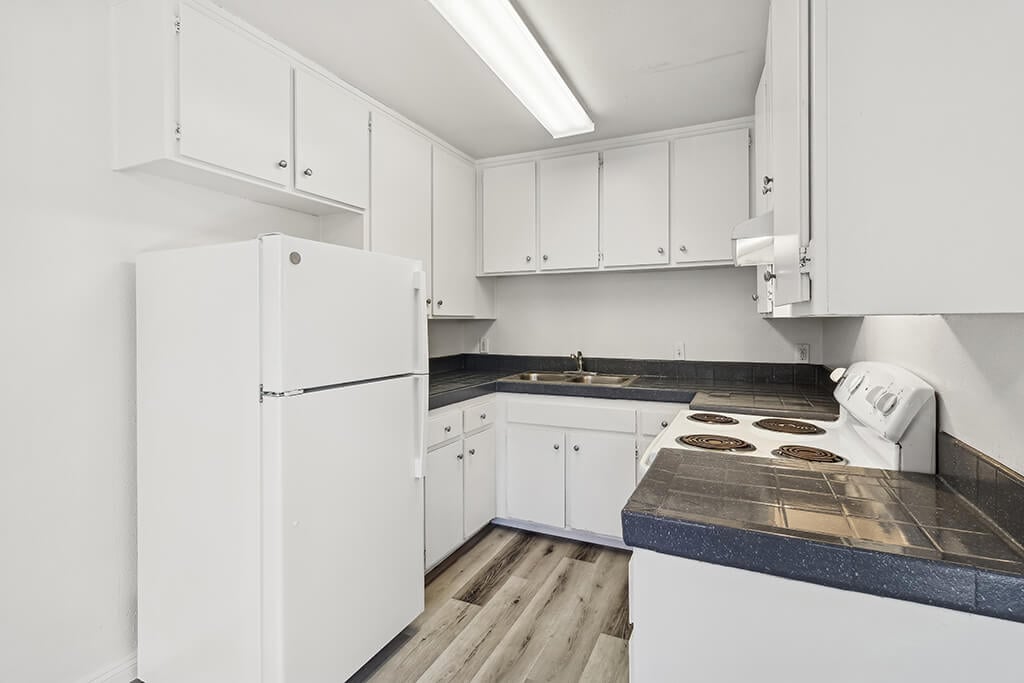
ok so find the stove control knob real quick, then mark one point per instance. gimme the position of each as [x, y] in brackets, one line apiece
[886, 403]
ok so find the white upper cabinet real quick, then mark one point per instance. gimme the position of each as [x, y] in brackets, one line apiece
[710, 194]
[400, 202]
[235, 99]
[762, 148]
[456, 290]
[509, 212]
[634, 205]
[567, 212]
[332, 141]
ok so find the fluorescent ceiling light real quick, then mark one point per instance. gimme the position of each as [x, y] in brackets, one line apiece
[497, 33]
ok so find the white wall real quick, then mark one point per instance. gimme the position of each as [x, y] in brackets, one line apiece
[643, 315]
[975, 362]
[71, 230]
[451, 337]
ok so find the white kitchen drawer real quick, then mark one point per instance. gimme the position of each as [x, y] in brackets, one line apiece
[478, 416]
[654, 420]
[579, 416]
[442, 426]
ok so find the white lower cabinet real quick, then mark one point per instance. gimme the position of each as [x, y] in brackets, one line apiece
[443, 528]
[600, 477]
[536, 474]
[459, 476]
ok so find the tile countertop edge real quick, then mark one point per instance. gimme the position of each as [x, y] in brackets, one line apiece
[927, 581]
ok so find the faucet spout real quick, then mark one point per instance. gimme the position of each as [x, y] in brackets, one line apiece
[578, 357]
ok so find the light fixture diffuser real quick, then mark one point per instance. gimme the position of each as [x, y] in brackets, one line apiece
[498, 34]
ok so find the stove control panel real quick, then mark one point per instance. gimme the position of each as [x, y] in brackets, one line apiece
[882, 396]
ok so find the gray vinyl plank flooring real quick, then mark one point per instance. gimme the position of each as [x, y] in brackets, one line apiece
[517, 607]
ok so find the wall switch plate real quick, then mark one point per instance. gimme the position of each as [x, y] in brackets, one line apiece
[679, 352]
[485, 344]
[803, 353]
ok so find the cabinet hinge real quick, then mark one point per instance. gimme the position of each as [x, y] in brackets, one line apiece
[369, 123]
[750, 139]
[177, 131]
[805, 257]
[177, 24]
[600, 256]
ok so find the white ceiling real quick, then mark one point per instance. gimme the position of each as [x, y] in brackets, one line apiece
[636, 65]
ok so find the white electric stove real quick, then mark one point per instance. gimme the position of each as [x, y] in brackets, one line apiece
[886, 421]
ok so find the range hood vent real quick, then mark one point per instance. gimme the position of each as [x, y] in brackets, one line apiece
[753, 241]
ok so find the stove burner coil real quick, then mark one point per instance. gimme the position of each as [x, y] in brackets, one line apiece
[715, 442]
[713, 419]
[774, 424]
[808, 454]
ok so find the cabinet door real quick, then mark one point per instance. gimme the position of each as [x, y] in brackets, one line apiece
[332, 141]
[762, 148]
[567, 212]
[710, 194]
[536, 475]
[234, 98]
[443, 501]
[601, 476]
[454, 235]
[634, 219]
[479, 481]
[789, 134]
[509, 214]
[400, 193]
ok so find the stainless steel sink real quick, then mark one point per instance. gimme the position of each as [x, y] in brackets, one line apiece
[574, 378]
[603, 379]
[542, 377]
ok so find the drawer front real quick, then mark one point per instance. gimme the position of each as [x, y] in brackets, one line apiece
[478, 416]
[597, 417]
[653, 421]
[442, 426]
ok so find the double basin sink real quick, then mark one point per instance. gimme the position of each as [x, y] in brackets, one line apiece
[573, 378]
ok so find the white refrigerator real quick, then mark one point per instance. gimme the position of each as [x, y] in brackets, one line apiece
[282, 395]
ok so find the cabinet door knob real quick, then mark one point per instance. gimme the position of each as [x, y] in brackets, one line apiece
[472, 451]
[545, 257]
[529, 258]
[682, 248]
[308, 172]
[483, 416]
[661, 250]
[754, 297]
[664, 423]
[430, 301]
[769, 276]
[576, 448]
[447, 428]
[557, 446]
[283, 163]
[459, 456]
[440, 302]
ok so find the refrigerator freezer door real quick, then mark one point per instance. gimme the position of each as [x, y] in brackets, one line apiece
[332, 315]
[343, 539]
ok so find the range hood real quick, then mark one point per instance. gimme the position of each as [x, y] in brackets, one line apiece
[753, 240]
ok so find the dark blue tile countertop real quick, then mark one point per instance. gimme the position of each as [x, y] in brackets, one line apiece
[899, 535]
[795, 390]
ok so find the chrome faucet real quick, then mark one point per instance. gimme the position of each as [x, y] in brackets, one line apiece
[578, 357]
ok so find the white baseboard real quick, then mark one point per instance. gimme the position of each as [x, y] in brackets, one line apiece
[571, 534]
[125, 671]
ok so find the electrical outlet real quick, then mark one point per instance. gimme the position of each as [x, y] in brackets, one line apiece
[803, 353]
[679, 353]
[485, 344]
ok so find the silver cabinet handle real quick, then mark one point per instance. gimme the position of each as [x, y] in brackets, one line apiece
[483, 416]
[545, 257]
[283, 163]
[682, 248]
[754, 297]
[459, 456]
[308, 172]
[661, 250]
[769, 276]
[664, 423]
[430, 301]
[557, 447]
[447, 428]
[576, 448]
[440, 302]
[529, 258]
[472, 451]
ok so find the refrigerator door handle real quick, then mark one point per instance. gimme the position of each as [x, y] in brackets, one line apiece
[420, 384]
[419, 285]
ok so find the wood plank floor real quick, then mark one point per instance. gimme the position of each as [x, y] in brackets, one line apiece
[516, 607]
